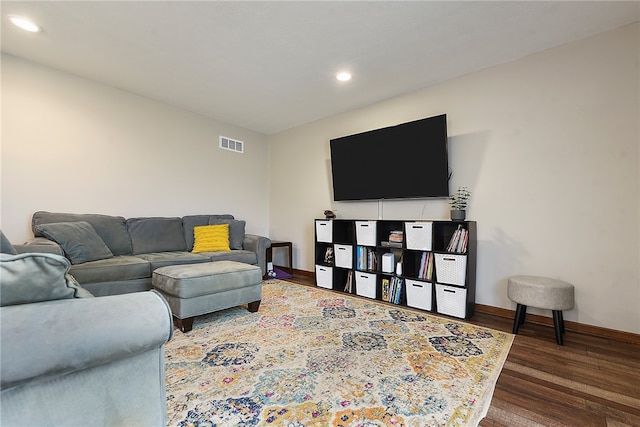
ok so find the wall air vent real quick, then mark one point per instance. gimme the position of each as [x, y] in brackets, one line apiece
[231, 144]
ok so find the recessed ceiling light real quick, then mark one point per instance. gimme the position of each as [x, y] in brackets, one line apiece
[343, 76]
[24, 23]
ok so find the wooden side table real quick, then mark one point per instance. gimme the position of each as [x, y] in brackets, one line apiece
[281, 244]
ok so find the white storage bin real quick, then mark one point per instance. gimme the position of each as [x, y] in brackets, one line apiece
[451, 300]
[324, 276]
[451, 269]
[418, 235]
[419, 294]
[343, 256]
[366, 233]
[366, 284]
[324, 231]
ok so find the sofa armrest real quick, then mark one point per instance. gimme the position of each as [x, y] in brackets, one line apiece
[40, 245]
[53, 338]
[259, 245]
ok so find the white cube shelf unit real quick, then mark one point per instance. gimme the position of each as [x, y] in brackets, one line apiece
[438, 271]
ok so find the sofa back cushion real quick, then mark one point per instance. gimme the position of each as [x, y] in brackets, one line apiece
[5, 245]
[191, 221]
[156, 234]
[79, 240]
[236, 230]
[36, 277]
[112, 229]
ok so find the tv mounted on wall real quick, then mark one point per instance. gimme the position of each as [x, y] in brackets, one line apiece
[406, 161]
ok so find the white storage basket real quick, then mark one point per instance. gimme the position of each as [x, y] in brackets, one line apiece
[451, 269]
[451, 300]
[418, 235]
[366, 284]
[343, 256]
[324, 231]
[366, 233]
[324, 276]
[419, 294]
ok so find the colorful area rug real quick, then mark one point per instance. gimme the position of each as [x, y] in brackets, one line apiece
[312, 357]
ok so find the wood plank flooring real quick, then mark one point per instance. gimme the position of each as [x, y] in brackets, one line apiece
[590, 381]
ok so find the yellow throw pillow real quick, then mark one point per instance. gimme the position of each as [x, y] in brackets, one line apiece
[211, 238]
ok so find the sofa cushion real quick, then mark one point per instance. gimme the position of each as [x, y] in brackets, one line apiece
[209, 238]
[112, 229]
[123, 267]
[240, 255]
[36, 277]
[236, 230]
[156, 234]
[5, 245]
[162, 259]
[191, 221]
[78, 240]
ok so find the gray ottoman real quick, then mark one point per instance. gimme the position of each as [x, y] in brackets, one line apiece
[540, 292]
[195, 289]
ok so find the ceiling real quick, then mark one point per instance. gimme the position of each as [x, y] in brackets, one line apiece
[270, 66]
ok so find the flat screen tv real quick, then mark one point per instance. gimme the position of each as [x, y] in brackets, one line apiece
[406, 161]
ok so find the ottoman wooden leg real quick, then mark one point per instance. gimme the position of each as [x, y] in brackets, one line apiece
[521, 311]
[558, 324]
[253, 306]
[184, 325]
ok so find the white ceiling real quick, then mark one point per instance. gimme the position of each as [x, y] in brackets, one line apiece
[270, 66]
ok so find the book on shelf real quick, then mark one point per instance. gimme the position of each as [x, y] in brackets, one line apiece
[392, 289]
[396, 236]
[396, 290]
[366, 258]
[348, 286]
[391, 244]
[458, 241]
[425, 269]
[385, 289]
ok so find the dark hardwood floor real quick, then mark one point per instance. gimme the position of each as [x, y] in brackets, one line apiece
[589, 381]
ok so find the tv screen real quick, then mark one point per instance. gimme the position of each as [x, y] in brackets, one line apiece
[405, 161]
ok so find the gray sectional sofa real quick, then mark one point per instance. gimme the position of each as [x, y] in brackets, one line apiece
[114, 255]
[68, 359]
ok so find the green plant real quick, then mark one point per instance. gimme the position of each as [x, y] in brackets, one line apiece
[458, 200]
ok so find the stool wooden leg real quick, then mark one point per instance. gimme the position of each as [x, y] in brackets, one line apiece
[558, 325]
[185, 325]
[253, 306]
[521, 311]
[523, 314]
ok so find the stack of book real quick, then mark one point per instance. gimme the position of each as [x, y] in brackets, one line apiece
[392, 289]
[458, 242]
[396, 238]
[425, 270]
[348, 286]
[366, 258]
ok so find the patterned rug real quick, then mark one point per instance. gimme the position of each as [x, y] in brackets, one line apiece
[312, 357]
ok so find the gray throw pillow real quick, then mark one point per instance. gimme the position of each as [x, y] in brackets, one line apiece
[236, 230]
[111, 229]
[36, 277]
[79, 240]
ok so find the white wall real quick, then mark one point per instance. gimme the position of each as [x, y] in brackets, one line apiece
[549, 147]
[72, 145]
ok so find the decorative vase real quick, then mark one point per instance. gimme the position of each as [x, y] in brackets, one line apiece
[458, 214]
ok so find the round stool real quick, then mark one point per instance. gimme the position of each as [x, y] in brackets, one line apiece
[540, 292]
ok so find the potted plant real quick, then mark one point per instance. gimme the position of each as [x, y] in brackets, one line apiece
[458, 202]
